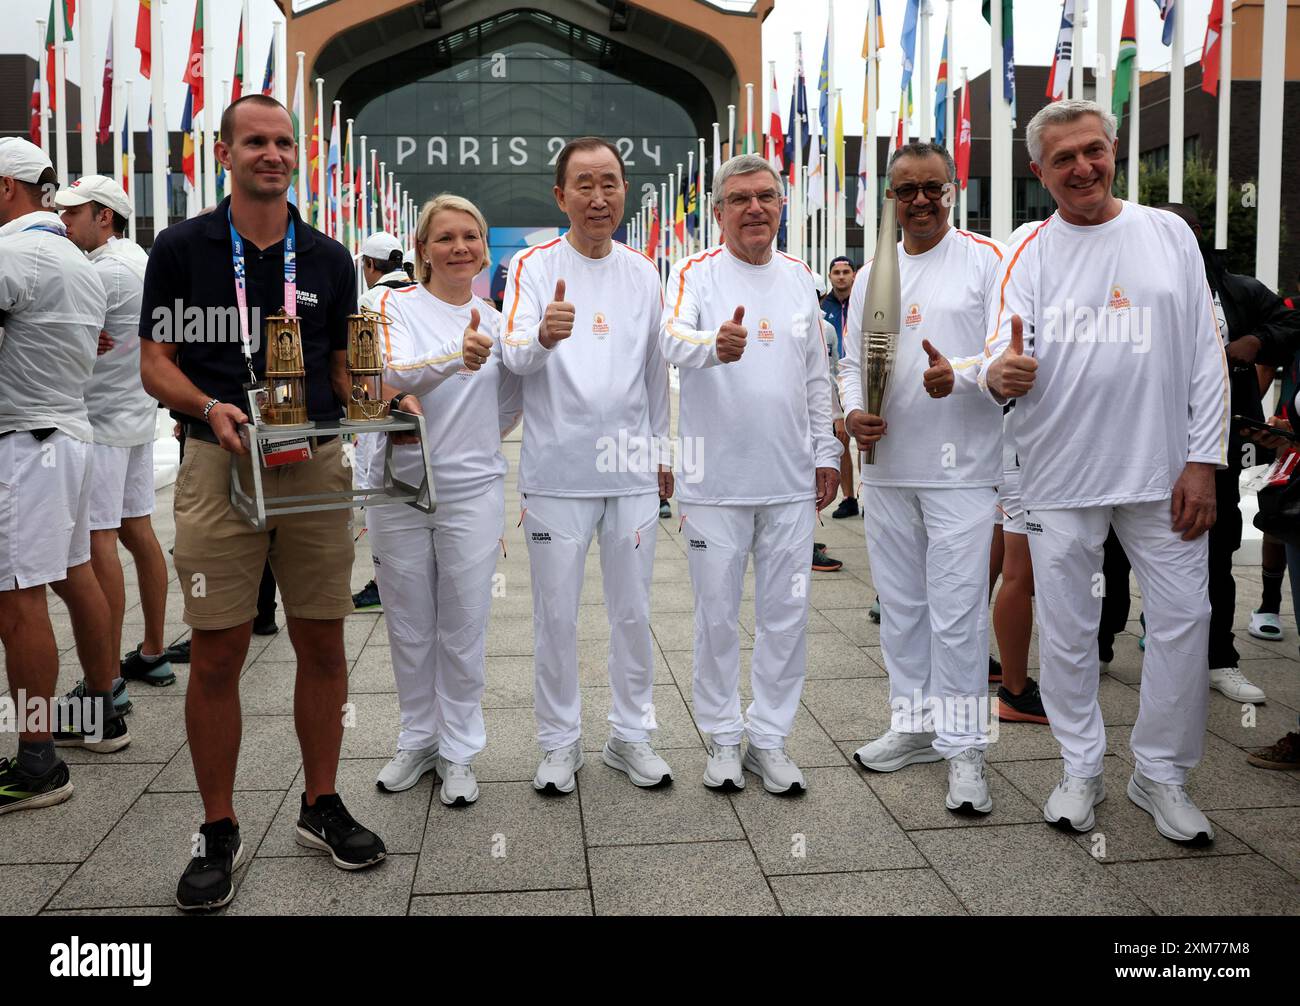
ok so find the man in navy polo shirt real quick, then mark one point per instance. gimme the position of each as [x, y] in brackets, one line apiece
[197, 366]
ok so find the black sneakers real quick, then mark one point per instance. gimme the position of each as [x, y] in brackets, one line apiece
[327, 825]
[113, 736]
[1027, 707]
[367, 597]
[152, 672]
[823, 563]
[265, 628]
[848, 508]
[179, 653]
[20, 790]
[206, 882]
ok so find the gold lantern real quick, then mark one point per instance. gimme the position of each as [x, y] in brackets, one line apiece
[285, 398]
[366, 403]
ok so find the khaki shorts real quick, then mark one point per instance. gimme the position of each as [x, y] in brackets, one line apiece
[219, 556]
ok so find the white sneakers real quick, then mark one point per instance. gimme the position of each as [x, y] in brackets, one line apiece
[893, 750]
[968, 786]
[723, 769]
[459, 787]
[1175, 815]
[1265, 625]
[637, 759]
[558, 768]
[1072, 801]
[1232, 683]
[406, 769]
[778, 772]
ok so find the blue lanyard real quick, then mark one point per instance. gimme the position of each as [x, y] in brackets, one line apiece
[47, 228]
[241, 285]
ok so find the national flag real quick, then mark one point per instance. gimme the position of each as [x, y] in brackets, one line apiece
[187, 139]
[909, 40]
[775, 134]
[34, 130]
[1210, 49]
[268, 78]
[332, 174]
[69, 11]
[1059, 79]
[816, 188]
[941, 96]
[880, 35]
[194, 62]
[106, 102]
[839, 145]
[963, 138]
[823, 86]
[798, 118]
[860, 211]
[144, 36]
[652, 241]
[237, 84]
[899, 137]
[1008, 71]
[346, 192]
[679, 216]
[691, 199]
[1125, 63]
[313, 170]
[126, 146]
[1168, 11]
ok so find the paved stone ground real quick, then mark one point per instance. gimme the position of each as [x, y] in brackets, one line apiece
[869, 843]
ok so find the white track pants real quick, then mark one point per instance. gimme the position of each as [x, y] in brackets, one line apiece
[1169, 736]
[929, 552]
[559, 532]
[719, 540]
[435, 579]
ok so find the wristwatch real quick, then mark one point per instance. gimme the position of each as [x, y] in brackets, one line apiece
[212, 403]
[397, 400]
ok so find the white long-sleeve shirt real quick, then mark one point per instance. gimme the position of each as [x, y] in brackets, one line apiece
[596, 404]
[949, 297]
[753, 431]
[53, 306]
[465, 412]
[121, 412]
[1132, 381]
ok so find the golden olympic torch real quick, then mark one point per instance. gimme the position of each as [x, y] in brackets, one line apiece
[881, 317]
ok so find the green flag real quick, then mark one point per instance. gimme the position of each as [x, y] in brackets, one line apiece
[67, 24]
[1125, 64]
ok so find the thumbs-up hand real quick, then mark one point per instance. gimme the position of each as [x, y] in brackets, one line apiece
[730, 343]
[938, 377]
[1011, 375]
[476, 347]
[557, 321]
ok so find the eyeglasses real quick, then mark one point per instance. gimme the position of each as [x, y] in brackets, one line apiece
[765, 199]
[907, 192]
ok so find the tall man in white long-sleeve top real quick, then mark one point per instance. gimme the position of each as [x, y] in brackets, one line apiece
[930, 495]
[1106, 333]
[581, 320]
[744, 325]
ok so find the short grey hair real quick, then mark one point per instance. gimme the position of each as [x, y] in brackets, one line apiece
[920, 148]
[742, 164]
[1057, 113]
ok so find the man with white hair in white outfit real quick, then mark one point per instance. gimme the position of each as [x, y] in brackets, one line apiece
[761, 412]
[1106, 333]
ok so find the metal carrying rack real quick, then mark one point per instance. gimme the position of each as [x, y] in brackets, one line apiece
[258, 510]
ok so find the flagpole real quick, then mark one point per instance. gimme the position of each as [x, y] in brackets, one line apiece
[383, 198]
[60, 99]
[691, 247]
[949, 119]
[249, 68]
[372, 204]
[1272, 70]
[842, 187]
[41, 85]
[705, 224]
[749, 120]
[1225, 118]
[158, 152]
[210, 99]
[923, 43]
[731, 130]
[200, 170]
[794, 235]
[363, 209]
[298, 86]
[1105, 54]
[224, 103]
[1176, 102]
[965, 82]
[279, 79]
[869, 206]
[86, 50]
[352, 195]
[999, 134]
[830, 225]
[337, 183]
[130, 159]
[115, 100]
[1134, 113]
[321, 195]
[1076, 55]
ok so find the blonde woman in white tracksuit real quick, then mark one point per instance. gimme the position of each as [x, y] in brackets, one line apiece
[442, 359]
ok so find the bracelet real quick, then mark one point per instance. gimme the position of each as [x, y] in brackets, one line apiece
[207, 409]
[397, 401]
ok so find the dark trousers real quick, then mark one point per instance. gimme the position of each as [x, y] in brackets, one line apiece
[1116, 601]
[1225, 538]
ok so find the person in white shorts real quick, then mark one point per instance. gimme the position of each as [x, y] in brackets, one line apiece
[928, 496]
[760, 412]
[581, 319]
[1106, 333]
[123, 417]
[52, 311]
[435, 571]
[381, 265]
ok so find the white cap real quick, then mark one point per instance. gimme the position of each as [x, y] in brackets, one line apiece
[22, 159]
[408, 257]
[97, 188]
[380, 245]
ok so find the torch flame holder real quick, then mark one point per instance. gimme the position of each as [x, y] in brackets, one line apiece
[257, 509]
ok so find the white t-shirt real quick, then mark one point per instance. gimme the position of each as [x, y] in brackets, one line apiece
[753, 431]
[596, 404]
[55, 306]
[465, 412]
[388, 281]
[949, 297]
[1132, 381]
[121, 412]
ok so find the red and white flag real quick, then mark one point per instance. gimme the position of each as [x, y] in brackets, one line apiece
[34, 130]
[775, 133]
[106, 102]
[963, 139]
[1211, 48]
